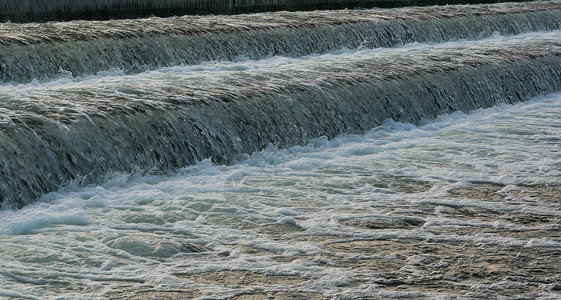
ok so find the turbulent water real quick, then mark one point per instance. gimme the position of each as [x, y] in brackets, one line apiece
[163, 120]
[78, 48]
[285, 219]
[409, 152]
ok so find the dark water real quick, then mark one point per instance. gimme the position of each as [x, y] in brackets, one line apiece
[65, 10]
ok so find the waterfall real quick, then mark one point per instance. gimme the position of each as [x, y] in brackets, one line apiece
[80, 48]
[159, 121]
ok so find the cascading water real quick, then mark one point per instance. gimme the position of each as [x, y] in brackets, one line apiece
[163, 121]
[309, 155]
[46, 51]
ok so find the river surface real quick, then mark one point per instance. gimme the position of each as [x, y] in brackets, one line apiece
[407, 166]
[486, 181]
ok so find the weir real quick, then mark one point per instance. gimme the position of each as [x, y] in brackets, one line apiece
[46, 51]
[51, 135]
[64, 10]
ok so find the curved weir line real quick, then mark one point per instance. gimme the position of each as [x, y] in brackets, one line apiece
[65, 10]
[44, 51]
[50, 136]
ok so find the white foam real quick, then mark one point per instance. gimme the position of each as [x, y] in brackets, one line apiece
[278, 200]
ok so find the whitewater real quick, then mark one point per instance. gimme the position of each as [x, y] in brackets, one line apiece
[287, 217]
[299, 160]
[160, 121]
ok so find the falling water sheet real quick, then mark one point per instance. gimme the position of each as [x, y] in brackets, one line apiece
[159, 121]
[48, 51]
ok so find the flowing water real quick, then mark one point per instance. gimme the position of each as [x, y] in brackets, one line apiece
[363, 163]
[463, 205]
[78, 48]
[87, 128]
